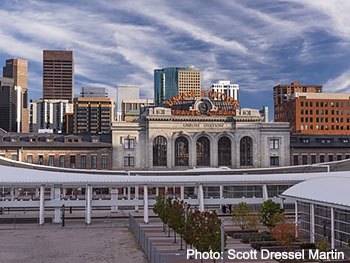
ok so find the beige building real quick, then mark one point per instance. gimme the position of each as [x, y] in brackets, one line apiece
[131, 109]
[200, 133]
[17, 69]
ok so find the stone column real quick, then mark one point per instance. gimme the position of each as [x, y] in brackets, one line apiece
[57, 197]
[42, 205]
[214, 161]
[145, 204]
[157, 191]
[88, 195]
[114, 197]
[192, 153]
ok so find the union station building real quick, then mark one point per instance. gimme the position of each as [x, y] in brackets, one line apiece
[200, 133]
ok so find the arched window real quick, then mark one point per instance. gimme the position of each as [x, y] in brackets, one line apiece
[159, 151]
[203, 151]
[181, 151]
[246, 149]
[224, 152]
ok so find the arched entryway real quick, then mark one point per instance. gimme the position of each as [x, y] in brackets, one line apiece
[203, 151]
[224, 151]
[246, 151]
[181, 151]
[160, 151]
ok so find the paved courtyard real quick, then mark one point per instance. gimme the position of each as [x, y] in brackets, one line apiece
[78, 245]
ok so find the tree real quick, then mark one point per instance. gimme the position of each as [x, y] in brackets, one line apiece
[286, 233]
[241, 215]
[177, 218]
[271, 213]
[159, 206]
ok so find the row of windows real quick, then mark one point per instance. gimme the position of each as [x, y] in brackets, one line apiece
[323, 104]
[324, 127]
[305, 159]
[317, 119]
[72, 161]
[323, 112]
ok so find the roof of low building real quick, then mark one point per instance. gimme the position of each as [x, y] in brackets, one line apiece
[329, 189]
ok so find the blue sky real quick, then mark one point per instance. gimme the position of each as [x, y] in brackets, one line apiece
[257, 44]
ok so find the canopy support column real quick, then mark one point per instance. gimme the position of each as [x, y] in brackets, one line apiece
[201, 198]
[42, 205]
[114, 197]
[145, 204]
[88, 196]
[57, 197]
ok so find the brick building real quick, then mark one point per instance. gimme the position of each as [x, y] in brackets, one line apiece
[311, 149]
[316, 113]
[69, 151]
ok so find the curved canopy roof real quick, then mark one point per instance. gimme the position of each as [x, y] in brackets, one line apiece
[23, 176]
[330, 189]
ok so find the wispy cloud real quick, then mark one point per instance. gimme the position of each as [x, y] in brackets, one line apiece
[339, 84]
[252, 43]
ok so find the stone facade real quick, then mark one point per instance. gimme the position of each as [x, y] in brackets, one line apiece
[134, 142]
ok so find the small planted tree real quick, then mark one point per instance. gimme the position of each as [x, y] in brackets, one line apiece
[159, 206]
[286, 233]
[177, 218]
[240, 215]
[271, 213]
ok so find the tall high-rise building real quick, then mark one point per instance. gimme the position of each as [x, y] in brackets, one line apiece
[169, 82]
[58, 70]
[93, 115]
[227, 88]
[48, 114]
[10, 105]
[93, 92]
[126, 92]
[17, 69]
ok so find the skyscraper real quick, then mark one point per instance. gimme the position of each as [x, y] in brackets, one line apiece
[58, 70]
[169, 82]
[10, 105]
[17, 69]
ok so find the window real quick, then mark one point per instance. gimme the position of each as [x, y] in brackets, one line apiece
[61, 161]
[310, 103]
[246, 151]
[128, 160]
[224, 151]
[339, 157]
[347, 156]
[104, 162]
[29, 158]
[93, 162]
[302, 104]
[181, 151]
[295, 159]
[274, 161]
[330, 158]
[322, 158]
[72, 161]
[51, 160]
[313, 159]
[317, 104]
[129, 143]
[203, 151]
[160, 151]
[14, 157]
[83, 161]
[304, 158]
[40, 160]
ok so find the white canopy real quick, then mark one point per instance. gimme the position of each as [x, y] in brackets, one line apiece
[329, 189]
